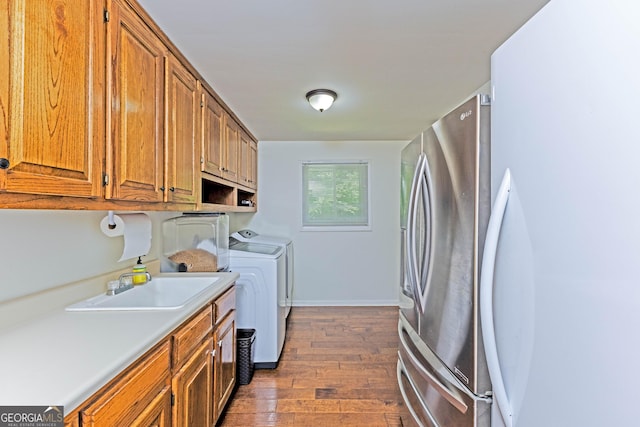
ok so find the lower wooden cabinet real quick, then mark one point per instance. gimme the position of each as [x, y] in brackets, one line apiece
[72, 420]
[225, 364]
[158, 413]
[133, 393]
[192, 387]
[186, 380]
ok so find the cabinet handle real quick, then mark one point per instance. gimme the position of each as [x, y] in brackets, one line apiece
[172, 188]
[4, 163]
[162, 188]
[220, 344]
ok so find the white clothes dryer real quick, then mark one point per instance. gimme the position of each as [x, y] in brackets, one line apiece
[259, 300]
[284, 242]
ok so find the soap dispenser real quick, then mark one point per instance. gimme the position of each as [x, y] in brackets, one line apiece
[140, 273]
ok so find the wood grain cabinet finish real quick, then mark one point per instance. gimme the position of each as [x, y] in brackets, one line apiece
[244, 161]
[52, 97]
[157, 413]
[192, 387]
[230, 149]
[224, 335]
[129, 396]
[220, 140]
[72, 420]
[186, 380]
[182, 136]
[136, 155]
[225, 364]
[189, 336]
[99, 110]
[212, 135]
[253, 165]
[248, 161]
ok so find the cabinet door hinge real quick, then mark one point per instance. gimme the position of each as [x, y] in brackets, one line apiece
[173, 399]
[106, 15]
[105, 179]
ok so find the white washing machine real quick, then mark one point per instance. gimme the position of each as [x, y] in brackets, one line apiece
[259, 297]
[283, 242]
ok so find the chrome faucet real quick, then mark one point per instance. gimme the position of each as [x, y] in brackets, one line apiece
[125, 282]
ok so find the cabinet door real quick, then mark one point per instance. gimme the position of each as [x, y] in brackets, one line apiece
[192, 386]
[137, 113]
[231, 147]
[244, 159]
[157, 413]
[253, 165]
[181, 120]
[212, 135]
[52, 97]
[128, 397]
[72, 420]
[225, 364]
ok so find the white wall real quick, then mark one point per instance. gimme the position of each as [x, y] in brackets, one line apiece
[332, 268]
[45, 249]
[42, 249]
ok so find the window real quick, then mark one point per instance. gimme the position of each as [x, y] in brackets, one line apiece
[335, 195]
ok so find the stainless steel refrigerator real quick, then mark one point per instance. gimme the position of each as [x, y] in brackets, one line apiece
[445, 204]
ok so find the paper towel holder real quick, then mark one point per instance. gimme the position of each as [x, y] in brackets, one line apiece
[111, 223]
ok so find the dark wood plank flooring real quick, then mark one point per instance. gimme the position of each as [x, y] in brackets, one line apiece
[338, 368]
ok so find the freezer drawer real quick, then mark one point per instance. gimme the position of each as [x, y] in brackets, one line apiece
[432, 393]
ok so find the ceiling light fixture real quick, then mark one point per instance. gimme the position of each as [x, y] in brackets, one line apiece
[321, 99]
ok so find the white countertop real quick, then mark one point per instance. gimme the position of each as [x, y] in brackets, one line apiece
[64, 357]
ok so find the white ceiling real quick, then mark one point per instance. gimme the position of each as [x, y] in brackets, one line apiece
[396, 65]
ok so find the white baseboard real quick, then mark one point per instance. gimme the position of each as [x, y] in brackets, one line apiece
[344, 303]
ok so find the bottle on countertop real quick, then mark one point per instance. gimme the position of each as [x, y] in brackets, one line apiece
[140, 273]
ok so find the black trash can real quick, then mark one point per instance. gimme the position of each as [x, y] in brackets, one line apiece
[245, 340]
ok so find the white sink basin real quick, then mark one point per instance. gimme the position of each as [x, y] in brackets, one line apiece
[161, 293]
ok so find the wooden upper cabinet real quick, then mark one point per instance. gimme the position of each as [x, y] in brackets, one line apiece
[244, 158]
[52, 84]
[248, 161]
[182, 136]
[136, 140]
[230, 149]
[212, 135]
[98, 107]
[253, 165]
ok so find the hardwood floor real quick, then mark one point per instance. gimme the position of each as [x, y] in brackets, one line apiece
[337, 368]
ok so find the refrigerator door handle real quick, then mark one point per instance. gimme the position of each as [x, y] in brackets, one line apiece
[427, 200]
[412, 262]
[486, 299]
[442, 389]
[403, 378]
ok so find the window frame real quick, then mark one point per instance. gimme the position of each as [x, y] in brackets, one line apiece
[335, 226]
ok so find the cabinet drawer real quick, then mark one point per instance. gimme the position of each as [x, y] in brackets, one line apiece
[224, 304]
[128, 396]
[190, 336]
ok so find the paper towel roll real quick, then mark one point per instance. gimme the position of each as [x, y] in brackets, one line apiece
[136, 229]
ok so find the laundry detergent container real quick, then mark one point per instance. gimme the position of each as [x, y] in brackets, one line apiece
[195, 243]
